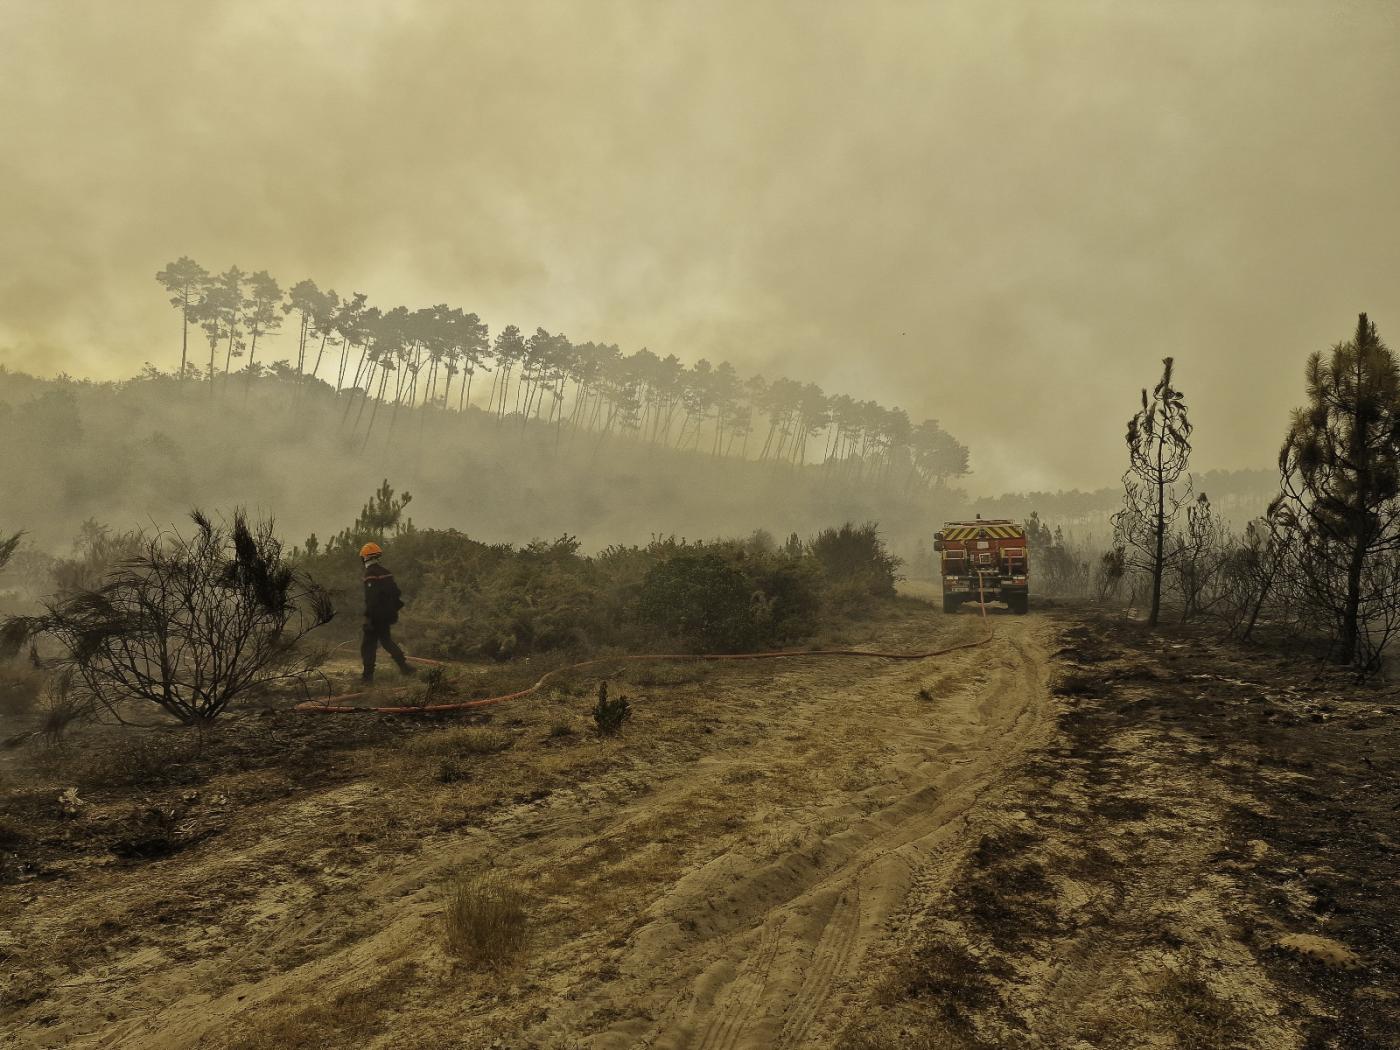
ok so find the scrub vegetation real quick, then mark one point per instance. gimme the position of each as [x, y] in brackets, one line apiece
[922, 843]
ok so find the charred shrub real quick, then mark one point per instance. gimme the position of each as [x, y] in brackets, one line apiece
[457, 751]
[453, 770]
[189, 625]
[942, 972]
[435, 685]
[152, 832]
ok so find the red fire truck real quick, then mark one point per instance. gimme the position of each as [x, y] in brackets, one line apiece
[984, 560]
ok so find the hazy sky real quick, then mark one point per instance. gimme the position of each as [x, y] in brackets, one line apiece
[998, 214]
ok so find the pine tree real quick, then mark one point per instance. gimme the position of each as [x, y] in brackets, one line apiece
[185, 280]
[1159, 448]
[1340, 473]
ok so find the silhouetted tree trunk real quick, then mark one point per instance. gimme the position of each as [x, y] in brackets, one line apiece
[1159, 448]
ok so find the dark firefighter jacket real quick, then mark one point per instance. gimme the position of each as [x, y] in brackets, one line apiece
[382, 600]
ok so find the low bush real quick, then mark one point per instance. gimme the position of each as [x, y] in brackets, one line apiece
[486, 921]
[97, 551]
[435, 685]
[856, 555]
[61, 706]
[723, 598]
[704, 600]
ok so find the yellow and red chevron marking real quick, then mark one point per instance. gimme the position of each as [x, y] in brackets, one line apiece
[991, 532]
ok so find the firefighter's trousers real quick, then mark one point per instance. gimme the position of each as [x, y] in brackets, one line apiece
[378, 633]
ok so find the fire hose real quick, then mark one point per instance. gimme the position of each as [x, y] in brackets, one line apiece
[339, 707]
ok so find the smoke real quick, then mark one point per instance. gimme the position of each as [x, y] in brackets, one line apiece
[1001, 216]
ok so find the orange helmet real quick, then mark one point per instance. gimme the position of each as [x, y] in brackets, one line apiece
[369, 549]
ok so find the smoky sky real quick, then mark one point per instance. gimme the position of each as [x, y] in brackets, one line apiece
[1000, 215]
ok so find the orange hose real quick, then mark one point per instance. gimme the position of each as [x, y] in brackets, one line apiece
[327, 708]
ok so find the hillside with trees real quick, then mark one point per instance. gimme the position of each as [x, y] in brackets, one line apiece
[384, 360]
[300, 400]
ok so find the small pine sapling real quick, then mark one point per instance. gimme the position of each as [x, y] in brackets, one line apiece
[608, 715]
[435, 685]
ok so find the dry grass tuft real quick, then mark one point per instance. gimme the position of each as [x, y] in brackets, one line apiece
[346, 1019]
[486, 920]
[668, 674]
[470, 740]
[453, 770]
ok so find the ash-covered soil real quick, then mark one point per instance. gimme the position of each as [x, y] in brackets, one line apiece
[1205, 854]
[1078, 835]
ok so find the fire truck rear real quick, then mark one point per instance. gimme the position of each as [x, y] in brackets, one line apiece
[984, 560]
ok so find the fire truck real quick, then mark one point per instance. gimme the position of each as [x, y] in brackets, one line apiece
[984, 560]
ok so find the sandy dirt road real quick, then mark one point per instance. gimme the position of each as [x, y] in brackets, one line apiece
[764, 948]
[729, 874]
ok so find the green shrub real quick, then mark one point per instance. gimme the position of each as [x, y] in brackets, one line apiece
[787, 596]
[855, 554]
[703, 600]
[466, 598]
[729, 598]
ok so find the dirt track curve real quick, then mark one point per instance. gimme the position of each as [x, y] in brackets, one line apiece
[727, 875]
[763, 954]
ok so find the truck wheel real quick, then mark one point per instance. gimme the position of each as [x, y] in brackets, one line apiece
[951, 603]
[1020, 604]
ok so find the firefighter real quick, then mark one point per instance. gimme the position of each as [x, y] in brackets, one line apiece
[382, 605]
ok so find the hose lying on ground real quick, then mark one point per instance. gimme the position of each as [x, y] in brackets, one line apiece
[327, 707]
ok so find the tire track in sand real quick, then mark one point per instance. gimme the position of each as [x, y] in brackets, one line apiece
[831, 958]
[729, 1020]
[827, 901]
